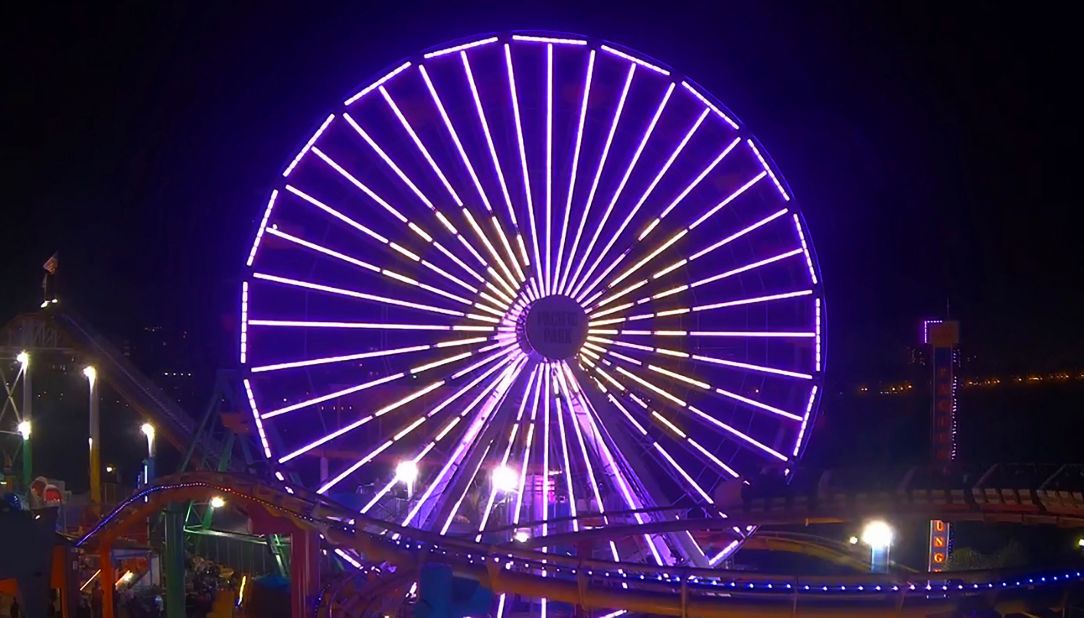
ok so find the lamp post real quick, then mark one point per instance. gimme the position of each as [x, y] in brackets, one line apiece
[94, 441]
[24, 425]
[878, 536]
[148, 470]
[406, 473]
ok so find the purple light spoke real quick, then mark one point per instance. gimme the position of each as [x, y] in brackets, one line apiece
[692, 185]
[549, 283]
[567, 461]
[522, 489]
[455, 138]
[509, 283]
[420, 146]
[666, 245]
[340, 359]
[575, 164]
[368, 325]
[745, 438]
[355, 294]
[382, 411]
[462, 496]
[733, 196]
[495, 396]
[565, 282]
[750, 301]
[745, 268]
[576, 283]
[639, 203]
[388, 161]
[454, 421]
[489, 138]
[586, 457]
[370, 267]
[523, 162]
[378, 83]
[507, 452]
[358, 423]
[734, 236]
[544, 495]
[263, 225]
[817, 331]
[618, 475]
[308, 146]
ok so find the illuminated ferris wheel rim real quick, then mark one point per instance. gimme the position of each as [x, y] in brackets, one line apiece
[540, 310]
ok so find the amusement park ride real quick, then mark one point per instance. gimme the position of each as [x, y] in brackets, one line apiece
[522, 320]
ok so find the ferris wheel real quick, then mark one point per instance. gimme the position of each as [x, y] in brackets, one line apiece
[529, 284]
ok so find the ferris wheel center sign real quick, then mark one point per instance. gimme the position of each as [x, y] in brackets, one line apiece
[555, 327]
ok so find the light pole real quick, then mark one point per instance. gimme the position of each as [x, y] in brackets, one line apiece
[878, 535]
[148, 469]
[406, 473]
[94, 440]
[24, 426]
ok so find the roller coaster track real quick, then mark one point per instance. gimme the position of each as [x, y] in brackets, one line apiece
[589, 583]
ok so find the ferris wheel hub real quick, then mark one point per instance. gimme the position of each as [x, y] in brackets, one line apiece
[553, 327]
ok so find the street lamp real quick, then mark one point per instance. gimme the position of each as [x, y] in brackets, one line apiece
[521, 536]
[94, 442]
[217, 502]
[504, 479]
[407, 472]
[878, 536]
[148, 469]
[24, 425]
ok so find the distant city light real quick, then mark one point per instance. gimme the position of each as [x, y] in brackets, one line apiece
[24, 429]
[109, 469]
[505, 479]
[853, 540]
[217, 502]
[23, 358]
[1080, 543]
[877, 534]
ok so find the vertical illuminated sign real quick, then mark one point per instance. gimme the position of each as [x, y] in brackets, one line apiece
[943, 337]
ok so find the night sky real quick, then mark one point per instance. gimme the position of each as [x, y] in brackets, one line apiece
[929, 145]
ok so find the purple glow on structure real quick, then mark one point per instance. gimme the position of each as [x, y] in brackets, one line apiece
[461, 48]
[634, 59]
[489, 139]
[598, 174]
[575, 164]
[263, 225]
[548, 39]
[378, 83]
[805, 249]
[244, 322]
[768, 169]
[805, 420]
[256, 419]
[523, 161]
[355, 294]
[308, 145]
[709, 105]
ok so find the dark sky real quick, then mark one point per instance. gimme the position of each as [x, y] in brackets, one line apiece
[929, 145]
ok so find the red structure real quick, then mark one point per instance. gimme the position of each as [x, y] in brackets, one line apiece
[943, 339]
